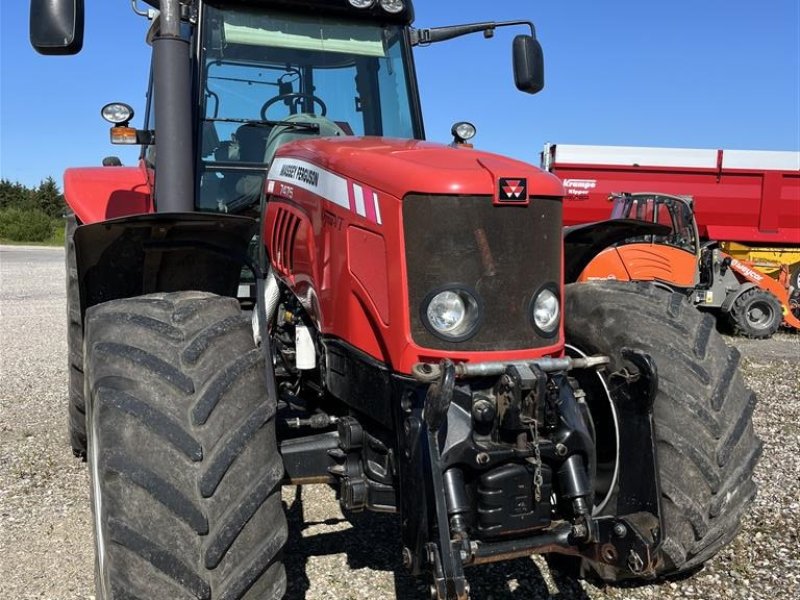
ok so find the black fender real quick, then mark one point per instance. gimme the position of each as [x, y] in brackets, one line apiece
[583, 242]
[734, 295]
[162, 252]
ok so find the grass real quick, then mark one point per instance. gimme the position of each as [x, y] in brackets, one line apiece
[57, 239]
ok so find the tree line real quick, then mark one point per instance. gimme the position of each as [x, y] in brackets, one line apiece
[31, 214]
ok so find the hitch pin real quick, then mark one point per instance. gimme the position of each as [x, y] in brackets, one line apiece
[430, 372]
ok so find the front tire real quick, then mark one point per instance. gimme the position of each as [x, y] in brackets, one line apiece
[183, 458]
[76, 407]
[705, 444]
[756, 314]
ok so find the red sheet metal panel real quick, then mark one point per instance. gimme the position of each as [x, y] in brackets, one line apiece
[749, 197]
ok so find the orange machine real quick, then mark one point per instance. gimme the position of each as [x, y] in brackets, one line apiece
[754, 304]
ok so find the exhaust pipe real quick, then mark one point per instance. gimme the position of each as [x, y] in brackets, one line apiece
[173, 110]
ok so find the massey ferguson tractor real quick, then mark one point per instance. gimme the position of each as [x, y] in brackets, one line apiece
[292, 287]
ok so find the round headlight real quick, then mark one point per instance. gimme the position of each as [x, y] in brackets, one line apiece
[117, 112]
[453, 314]
[392, 6]
[463, 131]
[361, 3]
[546, 311]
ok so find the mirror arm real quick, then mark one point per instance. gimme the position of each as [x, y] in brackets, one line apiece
[425, 37]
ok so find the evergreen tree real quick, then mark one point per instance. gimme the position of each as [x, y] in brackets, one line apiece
[49, 200]
[46, 197]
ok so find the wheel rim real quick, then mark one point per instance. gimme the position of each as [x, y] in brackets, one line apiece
[760, 315]
[612, 412]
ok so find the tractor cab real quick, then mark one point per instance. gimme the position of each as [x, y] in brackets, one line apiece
[672, 258]
[263, 73]
[268, 77]
[675, 212]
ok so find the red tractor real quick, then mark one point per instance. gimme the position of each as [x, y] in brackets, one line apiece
[292, 287]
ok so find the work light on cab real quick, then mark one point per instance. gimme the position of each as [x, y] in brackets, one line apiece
[392, 6]
[117, 113]
[120, 114]
[462, 132]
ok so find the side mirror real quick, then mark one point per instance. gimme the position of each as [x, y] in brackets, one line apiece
[56, 26]
[528, 64]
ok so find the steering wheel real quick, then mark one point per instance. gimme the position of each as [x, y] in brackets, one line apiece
[293, 95]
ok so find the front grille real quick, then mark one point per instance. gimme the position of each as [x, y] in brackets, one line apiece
[505, 253]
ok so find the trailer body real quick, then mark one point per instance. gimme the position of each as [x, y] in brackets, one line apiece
[750, 197]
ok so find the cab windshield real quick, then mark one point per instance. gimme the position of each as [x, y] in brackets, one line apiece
[271, 78]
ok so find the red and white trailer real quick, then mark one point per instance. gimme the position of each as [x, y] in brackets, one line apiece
[748, 200]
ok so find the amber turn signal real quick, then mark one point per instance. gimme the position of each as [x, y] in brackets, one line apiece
[123, 135]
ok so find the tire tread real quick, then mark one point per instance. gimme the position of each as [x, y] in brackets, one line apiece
[707, 448]
[194, 499]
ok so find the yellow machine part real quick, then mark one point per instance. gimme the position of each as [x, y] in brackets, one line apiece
[768, 260]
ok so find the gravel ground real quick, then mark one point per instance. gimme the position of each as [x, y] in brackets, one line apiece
[45, 528]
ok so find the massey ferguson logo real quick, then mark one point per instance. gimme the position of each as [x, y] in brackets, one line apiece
[513, 190]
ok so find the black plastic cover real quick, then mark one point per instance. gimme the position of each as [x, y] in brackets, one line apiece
[56, 26]
[506, 502]
[163, 252]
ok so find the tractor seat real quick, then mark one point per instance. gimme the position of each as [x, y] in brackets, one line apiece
[252, 141]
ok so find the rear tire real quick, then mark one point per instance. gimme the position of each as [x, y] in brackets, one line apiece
[705, 443]
[756, 314]
[184, 464]
[76, 405]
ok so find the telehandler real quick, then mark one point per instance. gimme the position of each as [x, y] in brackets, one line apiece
[412, 339]
[747, 301]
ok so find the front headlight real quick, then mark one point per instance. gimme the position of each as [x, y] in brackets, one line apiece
[452, 314]
[545, 311]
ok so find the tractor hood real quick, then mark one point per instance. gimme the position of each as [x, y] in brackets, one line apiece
[399, 167]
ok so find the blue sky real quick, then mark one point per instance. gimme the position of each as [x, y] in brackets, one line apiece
[684, 73]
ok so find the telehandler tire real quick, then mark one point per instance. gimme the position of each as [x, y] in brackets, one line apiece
[76, 404]
[705, 443]
[756, 314]
[183, 460]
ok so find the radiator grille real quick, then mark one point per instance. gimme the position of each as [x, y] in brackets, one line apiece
[504, 253]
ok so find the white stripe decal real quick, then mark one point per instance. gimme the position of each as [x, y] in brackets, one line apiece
[323, 183]
[358, 192]
[377, 208]
[311, 178]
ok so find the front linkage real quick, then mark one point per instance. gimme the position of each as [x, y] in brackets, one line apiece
[498, 461]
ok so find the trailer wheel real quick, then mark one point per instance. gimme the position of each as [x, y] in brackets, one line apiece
[756, 314]
[184, 465]
[706, 447]
[76, 405]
